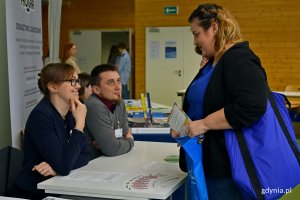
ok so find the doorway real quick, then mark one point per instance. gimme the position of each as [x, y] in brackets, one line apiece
[94, 47]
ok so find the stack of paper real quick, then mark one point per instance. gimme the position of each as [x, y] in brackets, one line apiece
[135, 112]
[136, 106]
[150, 130]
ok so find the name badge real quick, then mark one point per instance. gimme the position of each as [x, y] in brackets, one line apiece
[118, 132]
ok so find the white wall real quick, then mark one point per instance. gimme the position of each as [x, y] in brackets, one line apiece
[88, 43]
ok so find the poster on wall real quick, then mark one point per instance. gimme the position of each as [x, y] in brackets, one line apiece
[154, 51]
[24, 54]
[170, 50]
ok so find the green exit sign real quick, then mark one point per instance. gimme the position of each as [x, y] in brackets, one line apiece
[171, 10]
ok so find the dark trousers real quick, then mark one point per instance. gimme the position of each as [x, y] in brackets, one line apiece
[222, 189]
[18, 192]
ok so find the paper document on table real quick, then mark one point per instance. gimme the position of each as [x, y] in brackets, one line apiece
[46, 198]
[154, 165]
[178, 120]
[147, 181]
[93, 176]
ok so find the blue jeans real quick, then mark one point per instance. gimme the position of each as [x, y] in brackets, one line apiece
[125, 92]
[222, 189]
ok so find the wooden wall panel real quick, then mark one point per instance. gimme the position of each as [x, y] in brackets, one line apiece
[271, 26]
[96, 14]
[45, 30]
[92, 14]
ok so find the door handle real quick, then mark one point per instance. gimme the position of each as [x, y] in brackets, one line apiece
[178, 72]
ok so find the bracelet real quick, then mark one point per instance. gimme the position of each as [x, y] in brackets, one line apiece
[76, 130]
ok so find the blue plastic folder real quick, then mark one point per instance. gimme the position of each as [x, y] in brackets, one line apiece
[196, 180]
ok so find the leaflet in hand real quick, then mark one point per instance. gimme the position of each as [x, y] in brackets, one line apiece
[178, 120]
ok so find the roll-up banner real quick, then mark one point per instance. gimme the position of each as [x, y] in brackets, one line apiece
[24, 53]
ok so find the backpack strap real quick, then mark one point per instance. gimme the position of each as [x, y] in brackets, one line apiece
[249, 165]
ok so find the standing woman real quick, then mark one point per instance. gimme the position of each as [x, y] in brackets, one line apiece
[229, 92]
[54, 142]
[69, 57]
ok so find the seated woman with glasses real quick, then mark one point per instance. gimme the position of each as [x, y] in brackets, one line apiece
[54, 142]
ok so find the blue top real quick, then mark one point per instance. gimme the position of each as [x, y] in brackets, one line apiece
[47, 138]
[196, 92]
[124, 67]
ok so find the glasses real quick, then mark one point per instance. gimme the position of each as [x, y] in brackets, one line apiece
[72, 81]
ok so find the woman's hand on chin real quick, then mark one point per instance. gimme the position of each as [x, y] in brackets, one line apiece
[79, 112]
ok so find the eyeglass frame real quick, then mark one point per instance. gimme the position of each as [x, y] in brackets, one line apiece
[72, 81]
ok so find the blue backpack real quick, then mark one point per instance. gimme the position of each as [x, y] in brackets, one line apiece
[265, 157]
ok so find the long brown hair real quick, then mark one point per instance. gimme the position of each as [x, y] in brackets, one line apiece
[67, 48]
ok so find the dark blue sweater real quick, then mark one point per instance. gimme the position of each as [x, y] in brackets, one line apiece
[47, 138]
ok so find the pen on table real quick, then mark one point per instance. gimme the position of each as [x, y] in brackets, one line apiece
[144, 108]
[149, 107]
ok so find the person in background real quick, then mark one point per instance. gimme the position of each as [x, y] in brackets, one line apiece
[69, 57]
[113, 55]
[124, 68]
[85, 90]
[106, 121]
[54, 143]
[229, 92]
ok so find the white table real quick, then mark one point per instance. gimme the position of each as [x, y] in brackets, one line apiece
[293, 97]
[290, 94]
[134, 182]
